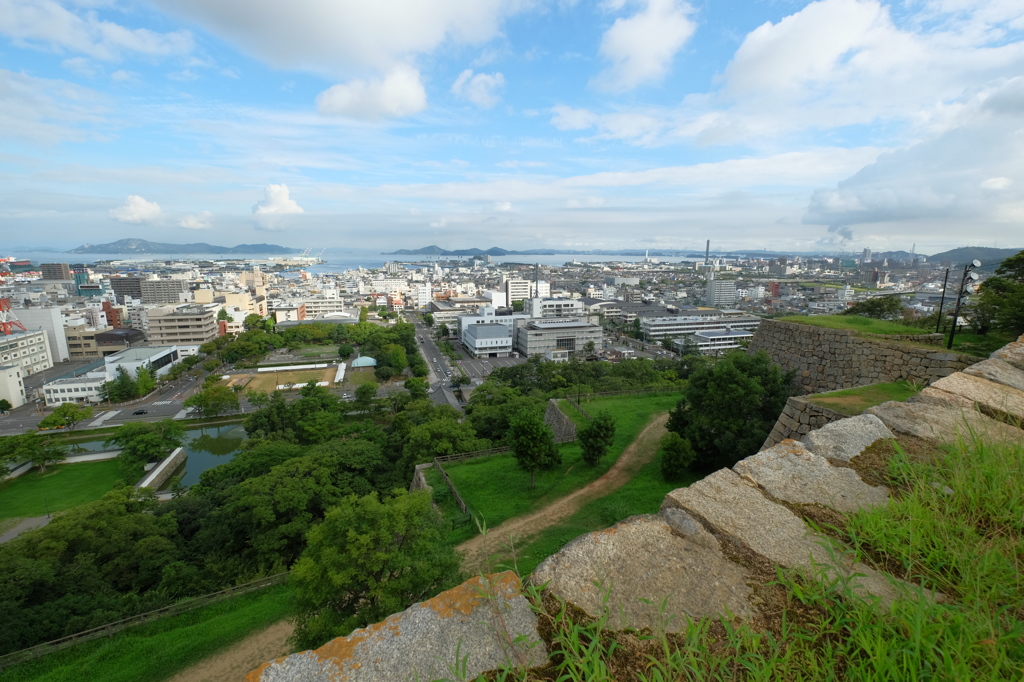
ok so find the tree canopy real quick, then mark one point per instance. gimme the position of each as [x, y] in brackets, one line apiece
[532, 443]
[728, 408]
[1001, 303]
[370, 557]
[879, 307]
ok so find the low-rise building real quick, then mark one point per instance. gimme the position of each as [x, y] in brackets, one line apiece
[184, 324]
[693, 320]
[488, 340]
[715, 341]
[537, 337]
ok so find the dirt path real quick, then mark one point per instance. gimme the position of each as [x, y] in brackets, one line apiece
[639, 452]
[235, 662]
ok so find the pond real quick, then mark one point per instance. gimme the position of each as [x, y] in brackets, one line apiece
[206, 448]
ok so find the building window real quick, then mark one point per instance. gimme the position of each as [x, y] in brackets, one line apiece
[566, 344]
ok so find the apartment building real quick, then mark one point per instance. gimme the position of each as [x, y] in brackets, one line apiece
[82, 342]
[29, 351]
[182, 325]
[12, 388]
[517, 290]
[149, 291]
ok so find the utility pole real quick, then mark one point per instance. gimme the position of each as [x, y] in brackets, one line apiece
[942, 300]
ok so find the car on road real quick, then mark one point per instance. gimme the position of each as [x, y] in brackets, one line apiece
[138, 412]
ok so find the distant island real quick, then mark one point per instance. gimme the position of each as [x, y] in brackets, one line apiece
[963, 254]
[142, 246]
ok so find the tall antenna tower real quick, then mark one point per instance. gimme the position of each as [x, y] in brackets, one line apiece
[707, 252]
[8, 320]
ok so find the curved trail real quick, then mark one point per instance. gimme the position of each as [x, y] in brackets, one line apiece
[236, 661]
[639, 453]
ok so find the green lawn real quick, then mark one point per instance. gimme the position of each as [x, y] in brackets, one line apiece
[159, 650]
[978, 345]
[858, 323]
[854, 401]
[642, 495]
[61, 487]
[495, 489]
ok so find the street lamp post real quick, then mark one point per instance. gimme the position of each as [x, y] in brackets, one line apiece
[942, 300]
[965, 291]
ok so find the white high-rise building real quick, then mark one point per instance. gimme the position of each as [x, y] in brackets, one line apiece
[517, 290]
[423, 295]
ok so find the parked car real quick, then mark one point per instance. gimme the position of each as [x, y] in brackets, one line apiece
[138, 412]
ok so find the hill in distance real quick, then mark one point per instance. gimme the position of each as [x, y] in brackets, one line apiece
[143, 246]
[965, 254]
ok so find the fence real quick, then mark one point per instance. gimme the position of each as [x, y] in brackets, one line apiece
[111, 629]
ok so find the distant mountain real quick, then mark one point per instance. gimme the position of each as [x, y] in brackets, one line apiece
[142, 246]
[965, 254]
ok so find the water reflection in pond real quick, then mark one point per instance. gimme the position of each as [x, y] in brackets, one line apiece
[209, 447]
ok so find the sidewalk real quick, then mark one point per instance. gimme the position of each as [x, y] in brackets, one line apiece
[26, 524]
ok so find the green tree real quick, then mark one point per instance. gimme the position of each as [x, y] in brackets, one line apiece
[676, 456]
[214, 400]
[145, 380]
[384, 373]
[142, 442]
[517, 306]
[252, 321]
[223, 316]
[428, 319]
[41, 450]
[1002, 297]
[122, 388]
[364, 314]
[67, 414]
[5, 406]
[417, 388]
[729, 408]
[596, 437]
[368, 559]
[878, 307]
[590, 347]
[365, 393]
[443, 331]
[532, 443]
[345, 351]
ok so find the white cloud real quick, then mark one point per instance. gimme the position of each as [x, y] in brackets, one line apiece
[585, 202]
[480, 89]
[136, 211]
[641, 47]
[276, 201]
[81, 66]
[122, 76]
[996, 183]
[945, 181]
[196, 221]
[503, 206]
[398, 94]
[49, 23]
[332, 37]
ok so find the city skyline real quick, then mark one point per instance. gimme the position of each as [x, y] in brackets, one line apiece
[839, 124]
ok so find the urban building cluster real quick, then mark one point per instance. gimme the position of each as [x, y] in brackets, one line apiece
[97, 317]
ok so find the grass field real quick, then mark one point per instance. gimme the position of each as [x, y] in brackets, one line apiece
[155, 652]
[853, 401]
[495, 489]
[61, 487]
[642, 495]
[269, 381]
[863, 325]
[358, 377]
[326, 352]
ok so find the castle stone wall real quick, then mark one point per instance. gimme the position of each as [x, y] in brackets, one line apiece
[833, 359]
[799, 417]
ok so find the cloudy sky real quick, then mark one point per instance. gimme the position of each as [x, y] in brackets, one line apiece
[834, 125]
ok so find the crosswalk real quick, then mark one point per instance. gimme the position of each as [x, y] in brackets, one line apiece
[163, 402]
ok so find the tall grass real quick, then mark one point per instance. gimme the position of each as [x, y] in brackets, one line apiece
[159, 650]
[955, 524]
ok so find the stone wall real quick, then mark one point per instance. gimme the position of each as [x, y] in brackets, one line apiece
[833, 359]
[799, 417]
[561, 424]
[162, 471]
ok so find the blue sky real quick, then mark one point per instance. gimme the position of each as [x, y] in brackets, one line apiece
[834, 125]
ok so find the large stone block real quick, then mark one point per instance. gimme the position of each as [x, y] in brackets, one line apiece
[791, 473]
[943, 422]
[474, 625]
[998, 371]
[846, 438]
[733, 508]
[642, 562]
[1012, 353]
[985, 393]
